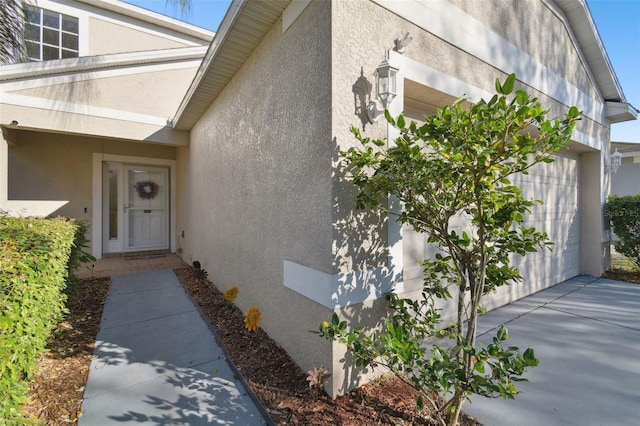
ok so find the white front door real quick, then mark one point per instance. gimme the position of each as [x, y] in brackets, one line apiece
[136, 208]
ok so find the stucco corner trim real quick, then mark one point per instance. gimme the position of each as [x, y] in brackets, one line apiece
[292, 12]
[340, 290]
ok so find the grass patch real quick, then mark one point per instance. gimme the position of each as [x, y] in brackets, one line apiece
[623, 269]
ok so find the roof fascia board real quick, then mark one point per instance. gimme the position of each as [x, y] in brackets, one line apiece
[87, 63]
[617, 112]
[249, 21]
[223, 33]
[578, 14]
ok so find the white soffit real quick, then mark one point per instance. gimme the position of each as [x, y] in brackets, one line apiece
[242, 29]
[617, 112]
[585, 31]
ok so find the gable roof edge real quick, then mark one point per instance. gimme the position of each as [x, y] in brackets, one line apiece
[237, 37]
[586, 32]
[151, 17]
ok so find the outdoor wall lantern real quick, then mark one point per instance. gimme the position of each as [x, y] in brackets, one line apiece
[615, 161]
[385, 76]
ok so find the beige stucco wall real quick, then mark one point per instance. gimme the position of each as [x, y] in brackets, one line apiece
[534, 26]
[58, 167]
[109, 37]
[155, 93]
[122, 102]
[362, 32]
[255, 183]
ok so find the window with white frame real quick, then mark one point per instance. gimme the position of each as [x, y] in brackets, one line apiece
[50, 35]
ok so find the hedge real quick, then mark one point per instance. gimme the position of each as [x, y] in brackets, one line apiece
[36, 256]
[624, 215]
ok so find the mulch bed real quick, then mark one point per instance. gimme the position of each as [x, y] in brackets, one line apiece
[55, 396]
[282, 386]
[621, 275]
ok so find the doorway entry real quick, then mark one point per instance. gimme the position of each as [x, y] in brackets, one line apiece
[135, 207]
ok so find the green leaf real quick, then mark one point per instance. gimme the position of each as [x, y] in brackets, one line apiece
[573, 112]
[530, 358]
[400, 123]
[389, 118]
[503, 333]
[508, 85]
[522, 97]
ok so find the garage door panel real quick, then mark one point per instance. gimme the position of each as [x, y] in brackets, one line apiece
[557, 185]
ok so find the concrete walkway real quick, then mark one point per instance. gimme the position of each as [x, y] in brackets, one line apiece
[586, 334]
[157, 362]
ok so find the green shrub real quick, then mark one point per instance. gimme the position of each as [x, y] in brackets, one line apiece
[34, 265]
[78, 256]
[624, 216]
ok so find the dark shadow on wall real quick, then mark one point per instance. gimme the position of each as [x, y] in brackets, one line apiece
[361, 97]
[361, 253]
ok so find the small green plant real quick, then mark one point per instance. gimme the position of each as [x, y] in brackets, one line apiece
[317, 377]
[458, 165]
[624, 215]
[79, 255]
[200, 273]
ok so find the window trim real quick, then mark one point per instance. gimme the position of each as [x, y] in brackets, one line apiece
[57, 29]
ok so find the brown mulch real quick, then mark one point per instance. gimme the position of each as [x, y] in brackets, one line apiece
[282, 386]
[623, 275]
[55, 396]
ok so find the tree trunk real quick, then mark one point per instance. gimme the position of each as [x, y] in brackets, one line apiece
[453, 415]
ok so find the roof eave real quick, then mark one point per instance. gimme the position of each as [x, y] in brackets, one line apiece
[618, 112]
[586, 32]
[215, 71]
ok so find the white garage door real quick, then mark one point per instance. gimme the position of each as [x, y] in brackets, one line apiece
[557, 185]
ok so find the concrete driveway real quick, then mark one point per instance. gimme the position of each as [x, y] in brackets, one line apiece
[586, 334]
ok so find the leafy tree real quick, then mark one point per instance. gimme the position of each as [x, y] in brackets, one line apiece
[11, 24]
[624, 216]
[458, 164]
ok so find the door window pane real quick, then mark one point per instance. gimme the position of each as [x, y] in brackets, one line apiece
[113, 204]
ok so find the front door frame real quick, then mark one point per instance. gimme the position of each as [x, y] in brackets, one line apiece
[97, 217]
